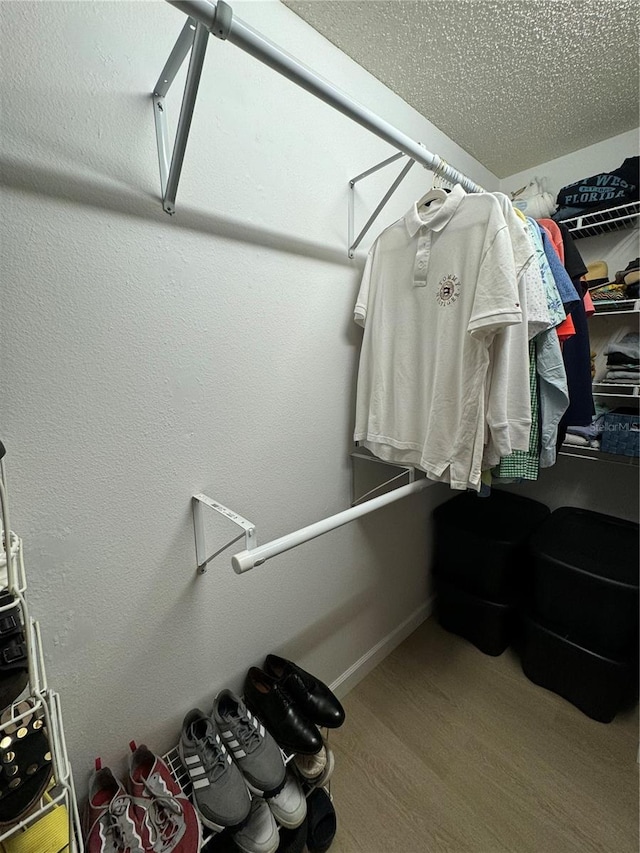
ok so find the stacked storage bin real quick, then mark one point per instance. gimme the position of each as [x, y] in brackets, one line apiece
[480, 555]
[580, 634]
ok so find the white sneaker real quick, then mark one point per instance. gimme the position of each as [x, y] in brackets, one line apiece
[289, 807]
[260, 833]
[316, 770]
[311, 767]
[329, 767]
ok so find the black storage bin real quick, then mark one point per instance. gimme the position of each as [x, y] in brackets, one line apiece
[486, 624]
[480, 543]
[584, 580]
[599, 686]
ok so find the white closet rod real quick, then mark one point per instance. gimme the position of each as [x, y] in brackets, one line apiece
[249, 559]
[219, 20]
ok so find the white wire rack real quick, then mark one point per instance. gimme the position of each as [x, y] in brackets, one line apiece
[603, 221]
[615, 389]
[17, 562]
[595, 454]
[606, 307]
[44, 704]
[37, 700]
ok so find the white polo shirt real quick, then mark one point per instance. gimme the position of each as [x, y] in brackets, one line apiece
[437, 286]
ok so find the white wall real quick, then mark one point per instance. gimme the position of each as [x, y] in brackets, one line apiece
[146, 358]
[611, 488]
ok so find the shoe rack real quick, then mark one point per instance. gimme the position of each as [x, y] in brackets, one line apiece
[36, 711]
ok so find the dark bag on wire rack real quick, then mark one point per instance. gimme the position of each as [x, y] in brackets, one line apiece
[615, 187]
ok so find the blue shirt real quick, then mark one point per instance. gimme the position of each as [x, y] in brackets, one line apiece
[567, 291]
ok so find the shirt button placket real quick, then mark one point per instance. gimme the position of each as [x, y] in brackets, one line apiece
[422, 260]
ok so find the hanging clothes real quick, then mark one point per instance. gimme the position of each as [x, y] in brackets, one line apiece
[508, 399]
[566, 289]
[525, 465]
[554, 393]
[577, 350]
[547, 376]
[438, 286]
[554, 302]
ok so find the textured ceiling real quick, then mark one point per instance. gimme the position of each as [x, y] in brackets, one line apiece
[514, 82]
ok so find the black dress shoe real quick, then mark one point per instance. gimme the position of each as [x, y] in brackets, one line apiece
[314, 698]
[276, 708]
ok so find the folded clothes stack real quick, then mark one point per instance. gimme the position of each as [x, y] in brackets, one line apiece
[581, 441]
[586, 436]
[623, 360]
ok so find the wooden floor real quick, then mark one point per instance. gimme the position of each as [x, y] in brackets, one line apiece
[447, 749]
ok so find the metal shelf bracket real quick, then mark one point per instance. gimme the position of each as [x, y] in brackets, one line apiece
[218, 19]
[354, 243]
[406, 471]
[248, 530]
[193, 37]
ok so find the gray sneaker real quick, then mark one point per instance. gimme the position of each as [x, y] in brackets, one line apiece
[220, 794]
[253, 749]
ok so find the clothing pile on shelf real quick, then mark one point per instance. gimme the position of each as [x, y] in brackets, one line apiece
[623, 360]
[475, 354]
[599, 192]
[614, 430]
[591, 434]
[251, 775]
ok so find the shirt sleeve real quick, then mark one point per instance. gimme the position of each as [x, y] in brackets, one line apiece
[496, 303]
[566, 288]
[508, 396]
[362, 302]
[573, 262]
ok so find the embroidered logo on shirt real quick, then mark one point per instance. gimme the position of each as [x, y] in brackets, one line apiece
[448, 290]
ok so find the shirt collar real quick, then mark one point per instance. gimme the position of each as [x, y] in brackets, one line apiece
[437, 218]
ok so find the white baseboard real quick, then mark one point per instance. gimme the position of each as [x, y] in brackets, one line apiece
[363, 666]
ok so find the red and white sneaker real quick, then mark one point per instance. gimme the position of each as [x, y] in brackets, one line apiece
[112, 820]
[170, 823]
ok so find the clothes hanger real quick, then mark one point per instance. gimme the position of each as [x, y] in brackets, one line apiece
[437, 191]
[434, 194]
